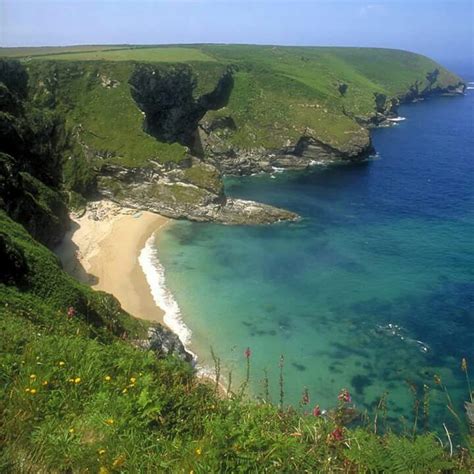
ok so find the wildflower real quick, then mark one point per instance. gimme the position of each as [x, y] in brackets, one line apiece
[464, 364]
[103, 470]
[33, 377]
[198, 451]
[248, 353]
[337, 434]
[77, 380]
[45, 382]
[107, 378]
[27, 390]
[305, 397]
[317, 411]
[71, 312]
[344, 396]
[437, 379]
[33, 391]
[133, 379]
[71, 430]
[71, 380]
[109, 421]
[61, 363]
[101, 452]
[118, 462]
[125, 390]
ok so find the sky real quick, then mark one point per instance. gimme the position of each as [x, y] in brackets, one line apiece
[441, 29]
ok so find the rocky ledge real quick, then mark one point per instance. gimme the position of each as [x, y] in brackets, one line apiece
[192, 190]
[213, 137]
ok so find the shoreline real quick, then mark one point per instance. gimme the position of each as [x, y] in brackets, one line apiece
[102, 250]
[110, 249]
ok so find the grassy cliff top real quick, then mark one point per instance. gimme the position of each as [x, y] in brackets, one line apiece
[279, 93]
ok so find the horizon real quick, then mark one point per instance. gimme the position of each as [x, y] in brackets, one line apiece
[341, 23]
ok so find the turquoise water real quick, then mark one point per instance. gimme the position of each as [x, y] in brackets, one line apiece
[372, 290]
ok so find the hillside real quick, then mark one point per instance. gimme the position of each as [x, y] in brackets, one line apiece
[85, 386]
[156, 127]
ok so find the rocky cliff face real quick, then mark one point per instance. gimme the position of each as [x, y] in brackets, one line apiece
[309, 149]
[32, 143]
[191, 191]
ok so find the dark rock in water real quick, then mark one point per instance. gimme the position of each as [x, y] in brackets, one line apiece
[298, 366]
[164, 342]
[359, 382]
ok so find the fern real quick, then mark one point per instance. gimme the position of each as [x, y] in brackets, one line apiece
[423, 454]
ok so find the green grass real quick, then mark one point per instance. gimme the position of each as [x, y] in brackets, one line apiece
[106, 119]
[27, 52]
[168, 54]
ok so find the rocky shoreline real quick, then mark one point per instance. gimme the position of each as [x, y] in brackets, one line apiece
[193, 189]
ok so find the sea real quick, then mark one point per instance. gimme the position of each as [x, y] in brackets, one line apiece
[372, 290]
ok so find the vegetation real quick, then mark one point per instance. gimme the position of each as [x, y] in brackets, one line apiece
[79, 393]
[279, 94]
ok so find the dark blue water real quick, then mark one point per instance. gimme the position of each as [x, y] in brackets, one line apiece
[373, 290]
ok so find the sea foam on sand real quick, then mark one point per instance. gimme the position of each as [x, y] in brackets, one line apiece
[155, 276]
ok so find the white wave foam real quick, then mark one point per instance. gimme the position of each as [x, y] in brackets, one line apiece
[396, 119]
[469, 88]
[155, 276]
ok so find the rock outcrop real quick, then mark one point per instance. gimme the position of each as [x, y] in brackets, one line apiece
[191, 191]
[164, 342]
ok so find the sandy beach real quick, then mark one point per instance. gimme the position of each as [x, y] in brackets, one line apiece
[102, 250]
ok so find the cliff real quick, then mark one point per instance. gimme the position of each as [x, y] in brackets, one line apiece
[157, 128]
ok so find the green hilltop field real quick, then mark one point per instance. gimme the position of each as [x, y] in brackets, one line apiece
[278, 94]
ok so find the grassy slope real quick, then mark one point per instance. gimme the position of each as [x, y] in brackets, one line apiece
[76, 396]
[279, 92]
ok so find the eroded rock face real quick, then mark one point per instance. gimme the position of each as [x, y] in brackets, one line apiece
[193, 192]
[164, 342]
[307, 152]
[166, 97]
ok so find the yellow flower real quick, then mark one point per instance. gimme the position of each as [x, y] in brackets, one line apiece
[45, 382]
[198, 451]
[119, 461]
[71, 380]
[33, 377]
[124, 390]
[108, 378]
[103, 470]
[71, 430]
[101, 451]
[27, 389]
[109, 421]
[33, 391]
[133, 379]
[464, 365]
[77, 380]
[61, 363]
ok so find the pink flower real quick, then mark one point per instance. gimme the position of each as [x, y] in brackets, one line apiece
[316, 411]
[337, 434]
[344, 396]
[71, 312]
[248, 353]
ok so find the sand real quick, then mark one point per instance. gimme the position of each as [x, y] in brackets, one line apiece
[102, 250]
